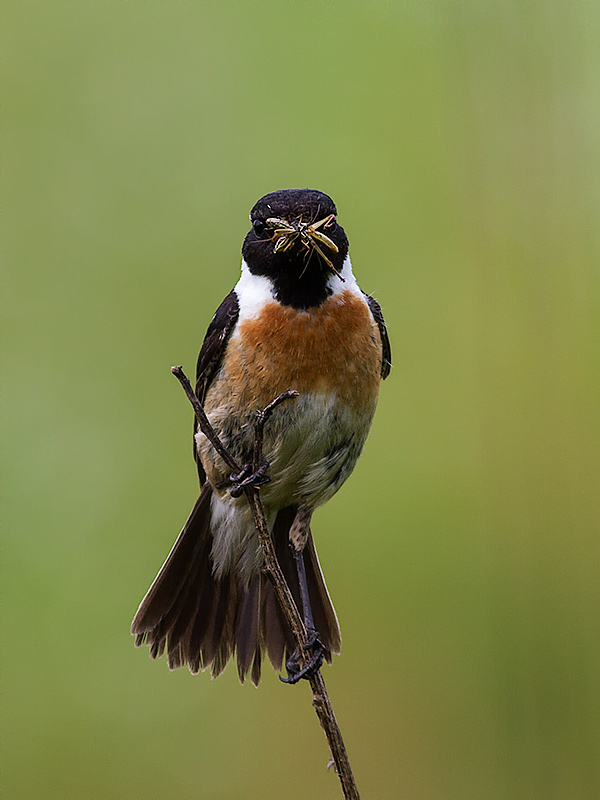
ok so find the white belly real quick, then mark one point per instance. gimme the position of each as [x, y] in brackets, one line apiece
[311, 443]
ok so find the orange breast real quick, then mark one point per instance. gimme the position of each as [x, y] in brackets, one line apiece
[335, 347]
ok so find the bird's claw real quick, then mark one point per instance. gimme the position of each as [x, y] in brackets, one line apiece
[295, 672]
[245, 478]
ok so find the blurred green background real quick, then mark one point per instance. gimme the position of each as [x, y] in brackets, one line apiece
[461, 142]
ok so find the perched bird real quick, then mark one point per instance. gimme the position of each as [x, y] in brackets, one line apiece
[295, 320]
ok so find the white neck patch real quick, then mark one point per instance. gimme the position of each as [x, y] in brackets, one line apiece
[255, 291]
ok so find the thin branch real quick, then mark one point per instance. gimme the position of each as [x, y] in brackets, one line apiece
[321, 702]
[205, 426]
[261, 420]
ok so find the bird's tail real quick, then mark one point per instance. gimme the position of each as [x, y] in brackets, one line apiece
[201, 620]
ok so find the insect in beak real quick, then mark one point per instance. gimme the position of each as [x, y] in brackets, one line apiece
[286, 234]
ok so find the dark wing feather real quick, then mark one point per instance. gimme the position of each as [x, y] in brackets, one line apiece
[386, 355]
[211, 355]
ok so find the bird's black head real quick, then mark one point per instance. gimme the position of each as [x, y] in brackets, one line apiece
[295, 240]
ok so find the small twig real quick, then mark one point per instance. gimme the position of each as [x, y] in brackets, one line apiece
[205, 426]
[321, 702]
[261, 420]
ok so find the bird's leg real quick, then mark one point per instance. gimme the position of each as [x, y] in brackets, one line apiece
[247, 477]
[298, 537]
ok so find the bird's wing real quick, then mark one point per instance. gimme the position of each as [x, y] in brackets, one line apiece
[386, 350]
[211, 356]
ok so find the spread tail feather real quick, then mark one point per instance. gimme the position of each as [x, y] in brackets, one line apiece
[201, 620]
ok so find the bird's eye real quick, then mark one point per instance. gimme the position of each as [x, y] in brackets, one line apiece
[259, 226]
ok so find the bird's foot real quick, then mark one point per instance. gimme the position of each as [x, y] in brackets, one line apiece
[247, 477]
[295, 672]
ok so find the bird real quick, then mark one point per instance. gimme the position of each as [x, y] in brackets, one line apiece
[296, 319]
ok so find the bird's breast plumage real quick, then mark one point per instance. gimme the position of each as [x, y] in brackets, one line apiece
[334, 347]
[331, 355]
